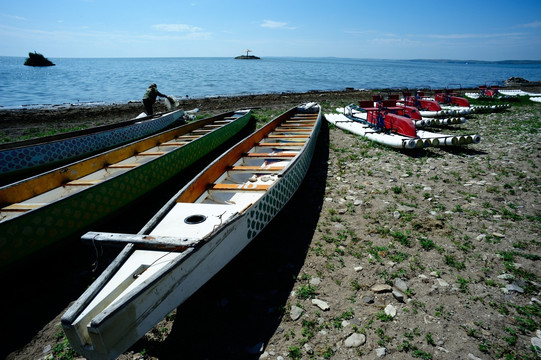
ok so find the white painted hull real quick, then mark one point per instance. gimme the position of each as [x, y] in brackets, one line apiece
[444, 121]
[456, 110]
[393, 140]
[449, 140]
[426, 138]
[187, 242]
[488, 108]
[434, 114]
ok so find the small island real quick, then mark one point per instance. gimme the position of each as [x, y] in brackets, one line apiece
[35, 59]
[247, 57]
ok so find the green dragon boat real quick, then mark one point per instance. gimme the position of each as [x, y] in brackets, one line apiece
[42, 210]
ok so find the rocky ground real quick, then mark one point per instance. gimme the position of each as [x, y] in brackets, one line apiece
[430, 254]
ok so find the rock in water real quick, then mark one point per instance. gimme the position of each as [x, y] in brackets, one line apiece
[35, 59]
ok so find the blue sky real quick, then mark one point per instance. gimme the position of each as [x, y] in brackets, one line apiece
[416, 29]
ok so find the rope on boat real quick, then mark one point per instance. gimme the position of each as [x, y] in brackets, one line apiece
[135, 276]
[96, 262]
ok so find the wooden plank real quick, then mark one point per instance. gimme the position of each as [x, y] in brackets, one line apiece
[279, 129]
[270, 155]
[141, 241]
[122, 166]
[200, 184]
[257, 168]
[152, 153]
[296, 144]
[295, 126]
[21, 207]
[300, 121]
[189, 137]
[288, 136]
[176, 143]
[238, 187]
[83, 182]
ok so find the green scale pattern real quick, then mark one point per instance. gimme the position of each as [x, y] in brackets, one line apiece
[277, 196]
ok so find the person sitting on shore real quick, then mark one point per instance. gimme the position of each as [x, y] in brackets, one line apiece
[150, 98]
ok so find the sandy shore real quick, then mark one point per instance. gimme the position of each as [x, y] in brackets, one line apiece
[456, 229]
[36, 121]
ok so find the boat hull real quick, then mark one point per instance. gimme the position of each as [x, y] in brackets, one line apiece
[46, 225]
[30, 157]
[392, 140]
[425, 138]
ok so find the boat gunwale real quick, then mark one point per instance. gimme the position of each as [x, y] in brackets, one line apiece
[83, 132]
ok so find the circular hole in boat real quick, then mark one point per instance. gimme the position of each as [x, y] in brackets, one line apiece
[195, 219]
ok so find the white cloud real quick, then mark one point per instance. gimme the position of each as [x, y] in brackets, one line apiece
[472, 36]
[15, 17]
[177, 28]
[535, 24]
[276, 25]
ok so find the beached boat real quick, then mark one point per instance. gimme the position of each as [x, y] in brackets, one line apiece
[420, 102]
[41, 210]
[422, 111]
[448, 97]
[393, 105]
[383, 116]
[353, 119]
[205, 225]
[28, 157]
[359, 128]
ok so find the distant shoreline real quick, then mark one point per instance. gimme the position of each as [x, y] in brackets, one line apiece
[511, 62]
[449, 61]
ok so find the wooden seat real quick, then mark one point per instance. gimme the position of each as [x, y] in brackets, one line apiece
[304, 116]
[292, 130]
[300, 121]
[238, 187]
[257, 168]
[292, 126]
[189, 137]
[152, 153]
[270, 155]
[288, 136]
[122, 166]
[83, 182]
[176, 143]
[297, 144]
[20, 207]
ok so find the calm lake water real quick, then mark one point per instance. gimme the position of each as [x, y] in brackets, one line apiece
[126, 79]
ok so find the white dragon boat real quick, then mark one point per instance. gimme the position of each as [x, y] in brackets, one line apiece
[205, 225]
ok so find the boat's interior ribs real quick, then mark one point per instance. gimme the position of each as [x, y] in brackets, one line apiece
[259, 168]
[109, 170]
